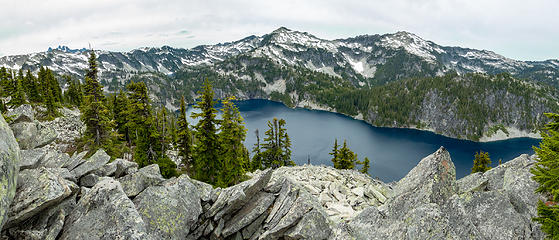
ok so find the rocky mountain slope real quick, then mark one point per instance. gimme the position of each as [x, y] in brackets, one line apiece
[370, 59]
[354, 76]
[62, 196]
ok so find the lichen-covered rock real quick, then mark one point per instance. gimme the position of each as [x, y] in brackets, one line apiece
[38, 189]
[433, 180]
[68, 126]
[493, 215]
[118, 168]
[89, 180]
[104, 212]
[9, 160]
[33, 134]
[343, 193]
[64, 173]
[94, 162]
[314, 225]
[31, 158]
[233, 198]
[23, 113]
[497, 204]
[135, 183]
[289, 212]
[250, 212]
[171, 210]
[44, 225]
[75, 160]
[55, 159]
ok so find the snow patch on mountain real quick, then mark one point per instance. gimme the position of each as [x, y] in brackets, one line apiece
[412, 44]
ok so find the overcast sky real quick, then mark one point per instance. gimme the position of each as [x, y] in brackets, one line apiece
[519, 29]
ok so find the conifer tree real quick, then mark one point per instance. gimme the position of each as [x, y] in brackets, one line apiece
[334, 153]
[142, 124]
[482, 162]
[74, 93]
[143, 127]
[546, 174]
[52, 83]
[120, 113]
[285, 144]
[18, 96]
[184, 138]
[50, 104]
[256, 162]
[6, 82]
[232, 136]
[277, 145]
[365, 167]
[346, 158]
[95, 113]
[3, 107]
[32, 87]
[206, 151]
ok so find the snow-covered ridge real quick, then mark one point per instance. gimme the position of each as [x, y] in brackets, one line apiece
[356, 57]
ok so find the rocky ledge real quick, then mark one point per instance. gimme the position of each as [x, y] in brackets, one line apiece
[61, 196]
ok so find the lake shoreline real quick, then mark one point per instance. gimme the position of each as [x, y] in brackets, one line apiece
[498, 136]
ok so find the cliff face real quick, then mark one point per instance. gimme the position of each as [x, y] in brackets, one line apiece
[9, 159]
[69, 197]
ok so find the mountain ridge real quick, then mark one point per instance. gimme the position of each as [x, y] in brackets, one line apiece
[358, 56]
[343, 75]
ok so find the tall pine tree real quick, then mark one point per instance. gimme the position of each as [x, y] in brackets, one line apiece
[256, 162]
[18, 96]
[546, 174]
[334, 153]
[232, 136]
[206, 151]
[184, 138]
[95, 113]
[346, 158]
[277, 145]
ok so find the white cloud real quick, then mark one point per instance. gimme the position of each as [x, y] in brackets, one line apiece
[516, 29]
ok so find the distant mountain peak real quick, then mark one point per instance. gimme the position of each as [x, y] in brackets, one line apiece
[66, 49]
[282, 29]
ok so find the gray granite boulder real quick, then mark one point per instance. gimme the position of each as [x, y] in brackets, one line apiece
[497, 204]
[135, 183]
[118, 168]
[55, 159]
[170, 210]
[33, 134]
[94, 162]
[31, 158]
[38, 189]
[9, 161]
[89, 180]
[433, 180]
[23, 113]
[75, 160]
[104, 212]
[45, 225]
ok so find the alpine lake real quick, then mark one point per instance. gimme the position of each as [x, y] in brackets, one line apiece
[393, 152]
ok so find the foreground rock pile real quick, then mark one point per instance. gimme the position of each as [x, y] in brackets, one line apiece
[429, 203]
[342, 193]
[62, 196]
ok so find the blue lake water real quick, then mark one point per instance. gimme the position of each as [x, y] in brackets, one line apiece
[393, 152]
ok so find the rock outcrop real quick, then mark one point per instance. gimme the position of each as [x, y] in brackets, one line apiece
[33, 134]
[104, 212]
[62, 196]
[430, 204]
[9, 160]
